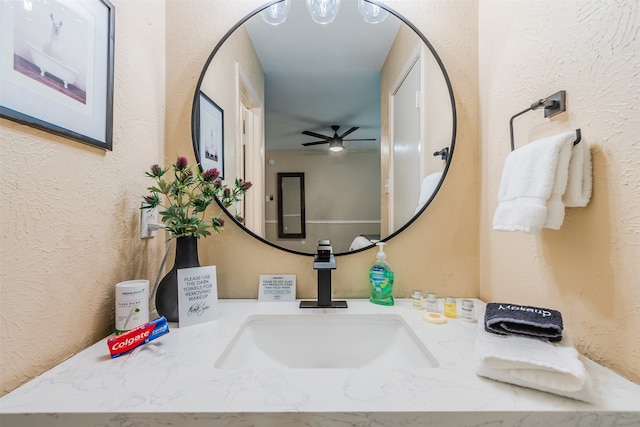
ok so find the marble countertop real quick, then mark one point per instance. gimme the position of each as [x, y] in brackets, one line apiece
[181, 386]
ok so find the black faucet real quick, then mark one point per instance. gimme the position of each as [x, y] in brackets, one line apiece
[324, 262]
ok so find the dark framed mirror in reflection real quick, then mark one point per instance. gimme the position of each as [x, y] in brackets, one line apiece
[361, 105]
[291, 206]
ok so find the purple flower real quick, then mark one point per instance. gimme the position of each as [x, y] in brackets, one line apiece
[246, 185]
[156, 170]
[218, 222]
[211, 175]
[226, 192]
[181, 163]
[151, 201]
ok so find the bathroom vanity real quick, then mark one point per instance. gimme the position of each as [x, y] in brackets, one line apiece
[187, 381]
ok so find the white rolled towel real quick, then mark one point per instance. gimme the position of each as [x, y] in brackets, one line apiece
[428, 186]
[360, 242]
[533, 181]
[580, 183]
[529, 362]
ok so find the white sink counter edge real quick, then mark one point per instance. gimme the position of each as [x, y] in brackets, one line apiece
[184, 380]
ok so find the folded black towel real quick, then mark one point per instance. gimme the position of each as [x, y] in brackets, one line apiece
[515, 319]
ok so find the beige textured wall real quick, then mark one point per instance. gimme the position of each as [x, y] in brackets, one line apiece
[69, 212]
[589, 269]
[437, 253]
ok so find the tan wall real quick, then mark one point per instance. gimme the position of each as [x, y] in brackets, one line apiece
[69, 212]
[589, 269]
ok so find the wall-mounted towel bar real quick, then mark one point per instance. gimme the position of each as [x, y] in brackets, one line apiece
[553, 105]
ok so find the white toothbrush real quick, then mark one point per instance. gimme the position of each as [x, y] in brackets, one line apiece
[133, 310]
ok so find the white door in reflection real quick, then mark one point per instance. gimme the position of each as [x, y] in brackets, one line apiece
[405, 140]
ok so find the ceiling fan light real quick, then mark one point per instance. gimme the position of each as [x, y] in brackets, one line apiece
[372, 13]
[336, 146]
[323, 11]
[277, 13]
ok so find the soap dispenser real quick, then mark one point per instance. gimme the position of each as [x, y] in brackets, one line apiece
[381, 279]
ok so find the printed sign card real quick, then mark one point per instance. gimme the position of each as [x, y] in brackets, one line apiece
[197, 295]
[277, 288]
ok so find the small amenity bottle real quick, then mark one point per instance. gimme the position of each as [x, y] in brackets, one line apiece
[450, 309]
[381, 279]
[416, 299]
[432, 302]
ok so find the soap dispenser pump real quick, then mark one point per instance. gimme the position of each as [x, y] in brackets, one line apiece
[381, 279]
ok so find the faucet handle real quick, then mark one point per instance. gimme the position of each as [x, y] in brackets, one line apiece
[324, 251]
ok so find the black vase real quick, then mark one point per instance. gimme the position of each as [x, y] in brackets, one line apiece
[167, 293]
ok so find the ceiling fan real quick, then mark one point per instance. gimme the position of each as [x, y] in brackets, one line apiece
[335, 141]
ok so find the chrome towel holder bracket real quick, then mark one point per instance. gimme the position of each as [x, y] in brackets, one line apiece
[554, 104]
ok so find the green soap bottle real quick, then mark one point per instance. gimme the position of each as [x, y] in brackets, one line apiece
[381, 279]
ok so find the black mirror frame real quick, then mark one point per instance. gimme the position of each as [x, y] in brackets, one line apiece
[195, 109]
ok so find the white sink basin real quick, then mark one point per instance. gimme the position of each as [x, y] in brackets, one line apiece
[326, 341]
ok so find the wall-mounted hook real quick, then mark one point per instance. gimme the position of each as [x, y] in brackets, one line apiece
[444, 153]
[578, 136]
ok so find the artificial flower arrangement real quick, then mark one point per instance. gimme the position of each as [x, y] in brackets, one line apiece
[189, 194]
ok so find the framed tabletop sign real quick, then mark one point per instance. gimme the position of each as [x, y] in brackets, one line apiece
[277, 288]
[210, 123]
[56, 67]
[197, 295]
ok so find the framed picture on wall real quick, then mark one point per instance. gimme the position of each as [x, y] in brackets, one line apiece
[211, 135]
[56, 70]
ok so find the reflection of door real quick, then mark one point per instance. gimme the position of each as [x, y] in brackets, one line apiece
[249, 154]
[405, 141]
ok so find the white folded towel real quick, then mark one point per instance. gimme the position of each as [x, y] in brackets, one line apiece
[533, 182]
[360, 242]
[580, 183]
[529, 362]
[429, 184]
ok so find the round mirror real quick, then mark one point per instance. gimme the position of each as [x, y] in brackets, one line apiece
[345, 128]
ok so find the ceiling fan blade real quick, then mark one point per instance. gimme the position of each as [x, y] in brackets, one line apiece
[366, 139]
[315, 135]
[349, 131]
[306, 144]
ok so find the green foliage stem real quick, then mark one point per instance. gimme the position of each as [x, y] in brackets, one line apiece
[185, 199]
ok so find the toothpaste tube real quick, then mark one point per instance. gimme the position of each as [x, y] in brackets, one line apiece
[142, 334]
